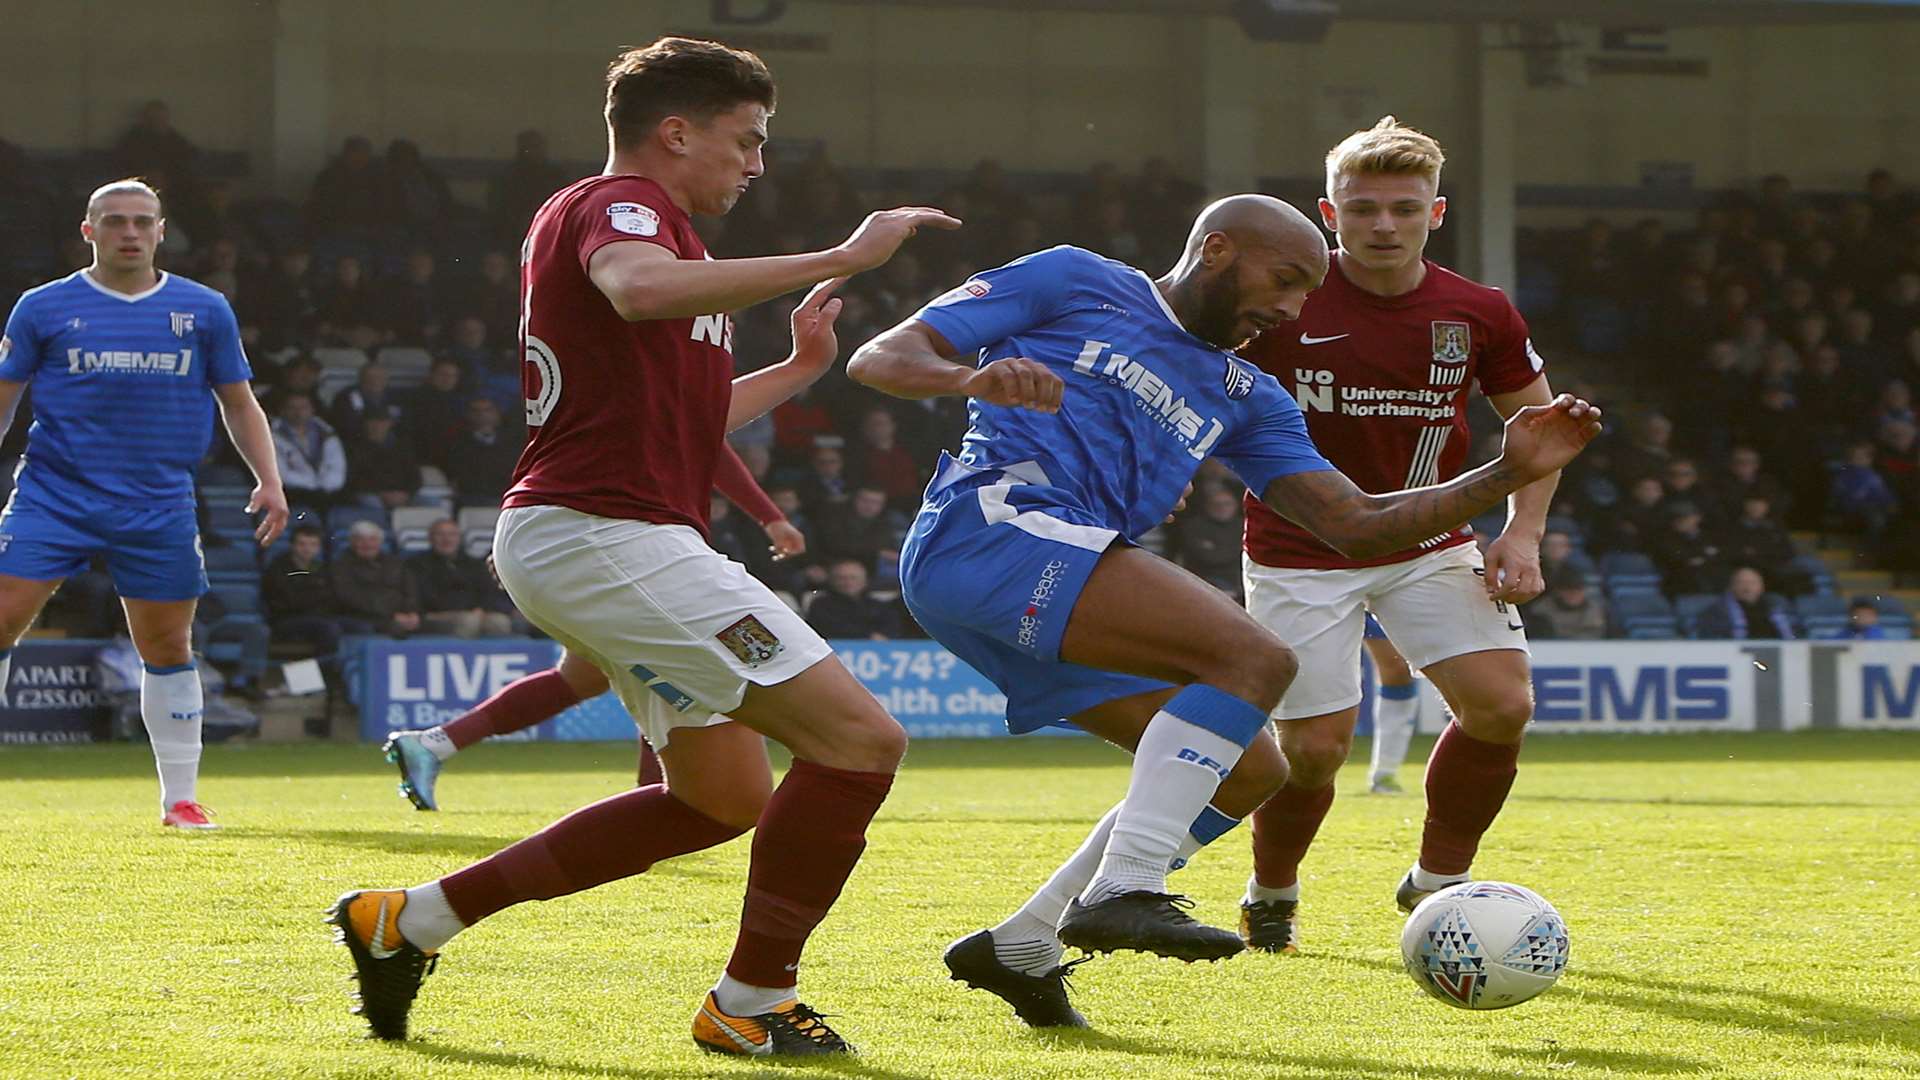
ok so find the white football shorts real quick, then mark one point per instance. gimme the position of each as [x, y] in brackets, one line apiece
[1433, 607]
[679, 629]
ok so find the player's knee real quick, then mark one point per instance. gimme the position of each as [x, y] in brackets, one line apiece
[1315, 756]
[1499, 719]
[864, 740]
[1260, 673]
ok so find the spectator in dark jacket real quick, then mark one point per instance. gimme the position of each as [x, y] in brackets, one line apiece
[844, 610]
[283, 303]
[351, 311]
[1689, 560]
[371, 585]
[1755, 539]
[297, 591]
[368, 396]
[382, 470]
[862, 529]
[1746, 612]
[411, 303]
[348, 195]
[1571, 610]
[481, 461]
[516, 193]
[879, 461]
[1860, 494]
[1207, 539]
[457, 595]
[435, 411]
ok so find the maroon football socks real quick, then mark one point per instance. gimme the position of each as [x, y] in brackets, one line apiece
[614, 838]
[521, 703]
[1467, 784]
[1283, 829]
[809, 838]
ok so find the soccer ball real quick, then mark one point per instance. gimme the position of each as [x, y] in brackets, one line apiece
[1484, 945]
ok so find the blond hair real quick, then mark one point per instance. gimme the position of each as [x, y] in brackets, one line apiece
[1388, 148]
[129, 186]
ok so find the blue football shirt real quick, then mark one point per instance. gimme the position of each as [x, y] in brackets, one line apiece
[122, 385]
[1145, 401]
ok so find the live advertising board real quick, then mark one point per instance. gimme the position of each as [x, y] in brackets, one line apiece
[1602, 686]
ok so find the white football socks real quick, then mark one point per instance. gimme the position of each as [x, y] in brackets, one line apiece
[1187, 749]
[170, 706]
[426, 919]
[1027, 941]
[1396, 713]
[744, 999]
[1427, 881]
[436, 740]
[1258, 893]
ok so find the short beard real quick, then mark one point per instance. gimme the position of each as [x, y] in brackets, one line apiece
[1218, 315]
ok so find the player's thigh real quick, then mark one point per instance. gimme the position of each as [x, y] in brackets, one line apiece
[1490, 693]
[1320, 615]
[824, 715]
[1393, 668]
[720, 770]
[582, 675]
[162, 630]
[1436, 607]
[20, 602]
[1140, 614]
[1316, 746]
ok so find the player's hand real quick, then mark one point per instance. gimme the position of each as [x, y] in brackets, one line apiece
[878, 237]
[1181, 505]
[815, 345]
[787, 541]
[1513, 570]
[1542, 439]
[1016, 382]
[271, 502]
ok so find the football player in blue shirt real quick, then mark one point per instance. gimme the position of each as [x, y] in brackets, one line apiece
[1096, 392]
[127, 363]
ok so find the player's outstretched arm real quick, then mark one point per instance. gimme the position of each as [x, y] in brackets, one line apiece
[910, 361]
[247, 427]
[1540, 440]
[646, 281]
[9, 401]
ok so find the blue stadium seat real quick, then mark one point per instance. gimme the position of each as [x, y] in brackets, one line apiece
[215, 473]
[232, 557]
[1826, 627]
[228, 518]
[239, 599]
[1817, 572]
[1628, 564]
[1688, 608]
[1653, 629]
[1821, 605]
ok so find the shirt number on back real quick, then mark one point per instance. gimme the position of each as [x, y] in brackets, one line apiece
[546, 394]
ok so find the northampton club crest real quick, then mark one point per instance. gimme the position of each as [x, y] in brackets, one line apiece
[751, 641]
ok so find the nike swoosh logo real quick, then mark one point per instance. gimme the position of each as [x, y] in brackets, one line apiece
[1306, 339]
[375, 947]
[1515, 626]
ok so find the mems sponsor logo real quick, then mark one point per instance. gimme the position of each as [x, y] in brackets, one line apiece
[1153, 396]
[84, 361]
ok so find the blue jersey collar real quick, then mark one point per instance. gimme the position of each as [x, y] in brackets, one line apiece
[120, 296]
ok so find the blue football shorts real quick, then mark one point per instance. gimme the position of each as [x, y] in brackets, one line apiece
[992, 570]
[152, 552]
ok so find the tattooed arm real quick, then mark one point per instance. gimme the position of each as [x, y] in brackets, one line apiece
[1540, 440]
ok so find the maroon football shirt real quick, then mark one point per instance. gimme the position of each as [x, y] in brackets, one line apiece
[624, 419]
[1382, 381]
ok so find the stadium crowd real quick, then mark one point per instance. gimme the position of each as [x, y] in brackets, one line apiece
[1759, 369]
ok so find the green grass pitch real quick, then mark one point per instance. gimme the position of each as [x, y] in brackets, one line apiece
[1740, 906]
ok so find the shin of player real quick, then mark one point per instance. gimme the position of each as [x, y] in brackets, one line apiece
[602, 543]
[135, 435]
[1389, 323]
[1396, 712]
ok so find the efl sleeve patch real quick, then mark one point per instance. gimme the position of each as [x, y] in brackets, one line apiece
[634, 219]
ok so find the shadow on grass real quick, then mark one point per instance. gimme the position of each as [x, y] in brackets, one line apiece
[1751, 804]
[720, 1065]
[1552, 1055]
[1348, 1066]
[1818, 1019]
